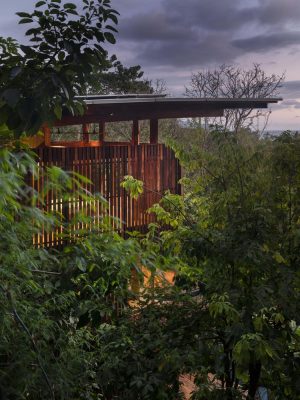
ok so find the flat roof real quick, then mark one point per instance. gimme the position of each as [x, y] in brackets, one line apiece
[111, 108]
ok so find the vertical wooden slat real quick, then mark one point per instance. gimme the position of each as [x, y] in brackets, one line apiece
[85, 133]
[135, 133]
[101, 132]
[105, 167]
[153, 131]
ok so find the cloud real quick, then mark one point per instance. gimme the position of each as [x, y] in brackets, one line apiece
[153, 27]
[290, 90]
[212, 15]
[267, 42]
[194, 33]
[201, 51]
[278, 12]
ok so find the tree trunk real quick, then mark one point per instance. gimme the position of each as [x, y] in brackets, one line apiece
[254, 376]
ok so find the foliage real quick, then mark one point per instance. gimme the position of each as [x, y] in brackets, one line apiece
[232, 318]
[133, 186]
[39, 80]
[53, 302]
[239, 244]
[117, 79]
[143, 356]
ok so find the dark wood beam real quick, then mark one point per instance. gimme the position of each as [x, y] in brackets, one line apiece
[85, 133]
[130, 116]
[101, 131]
[135, 132]
[154, 131]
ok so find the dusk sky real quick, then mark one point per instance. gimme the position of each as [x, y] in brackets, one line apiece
[170, 39]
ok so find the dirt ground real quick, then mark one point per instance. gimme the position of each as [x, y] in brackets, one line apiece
[187, 385]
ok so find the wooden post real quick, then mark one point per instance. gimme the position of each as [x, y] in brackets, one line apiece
[101, 132]
[153, 131]
[85, 133]
[135, 132]
[47, 135]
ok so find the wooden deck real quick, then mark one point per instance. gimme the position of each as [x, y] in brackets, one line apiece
[105, 167]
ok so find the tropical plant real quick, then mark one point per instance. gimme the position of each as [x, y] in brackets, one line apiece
[54, 301]
[238, 242]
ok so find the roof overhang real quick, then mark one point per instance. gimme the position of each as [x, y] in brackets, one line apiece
[141, 107]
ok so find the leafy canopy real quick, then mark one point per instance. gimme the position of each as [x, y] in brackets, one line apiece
[40, 79]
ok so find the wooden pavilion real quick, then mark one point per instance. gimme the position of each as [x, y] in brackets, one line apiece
[105, 163]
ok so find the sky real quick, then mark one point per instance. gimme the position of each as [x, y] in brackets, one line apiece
[171, 39]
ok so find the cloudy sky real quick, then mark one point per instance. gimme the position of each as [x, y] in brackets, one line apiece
[170, 39]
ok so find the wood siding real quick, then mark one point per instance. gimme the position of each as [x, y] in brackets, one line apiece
[105, 167]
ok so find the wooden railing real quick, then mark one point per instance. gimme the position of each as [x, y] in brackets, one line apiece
[105, 167]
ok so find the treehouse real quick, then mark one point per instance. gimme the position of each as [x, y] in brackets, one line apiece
[81, 145]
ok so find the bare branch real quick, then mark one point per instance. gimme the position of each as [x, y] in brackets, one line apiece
[230, 81]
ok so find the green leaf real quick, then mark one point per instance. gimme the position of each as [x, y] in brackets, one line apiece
[61, 56]
[70, 5]
[40, 3]
[109, 37]
[58, 111]
[111, 28]
[278, 258]
[73, 12]
[23, 15]
[32, 31]
[81, 264]
[279, 318]
[113, 18]
[26, 21]
[133, 186]
[11, 96]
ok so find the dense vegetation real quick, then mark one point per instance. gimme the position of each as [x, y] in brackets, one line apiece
[231, 319]
[237, 230]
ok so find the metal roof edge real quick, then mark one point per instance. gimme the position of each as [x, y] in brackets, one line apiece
[160, 99]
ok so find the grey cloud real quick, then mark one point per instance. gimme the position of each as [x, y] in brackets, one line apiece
[290, 89]
[290, 102]
[267, 42]
[199, 52]
[208, 14]
[290, 92]
[274, 12]
[286, 105]
[193, 32]
[189, 33]
[154, 26]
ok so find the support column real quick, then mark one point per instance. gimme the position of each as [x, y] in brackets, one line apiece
[135, 132]
[85, 133]
[47, 135]
[101, 132]
[153, 131]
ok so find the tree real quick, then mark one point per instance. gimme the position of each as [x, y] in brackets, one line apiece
[235, 232]
[229, 81]
[53, 302]
[117, 79]
[38, 80]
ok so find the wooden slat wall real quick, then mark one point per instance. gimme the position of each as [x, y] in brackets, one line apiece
[105, 166]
